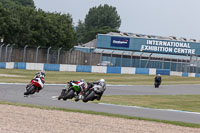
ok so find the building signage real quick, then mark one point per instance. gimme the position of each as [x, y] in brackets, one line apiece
[167, 47]
[119, 42]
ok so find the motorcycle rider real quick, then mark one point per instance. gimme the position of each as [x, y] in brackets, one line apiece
[40, 75]
[99, 91]
[158, 79]
[81, 84]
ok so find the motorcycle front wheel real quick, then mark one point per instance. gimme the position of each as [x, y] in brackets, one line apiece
[69, 95]
[88, 97]
[30, 90]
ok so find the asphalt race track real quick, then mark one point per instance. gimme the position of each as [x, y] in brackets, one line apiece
[14, 93]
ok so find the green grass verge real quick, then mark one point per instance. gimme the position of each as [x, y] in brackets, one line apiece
[176, 102]
[103, 114]
[55, 77]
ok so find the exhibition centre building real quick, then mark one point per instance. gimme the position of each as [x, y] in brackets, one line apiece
[145, 51]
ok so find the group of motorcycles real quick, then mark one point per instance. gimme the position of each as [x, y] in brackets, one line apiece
[81, 91]
[76, 89]
[73, 89]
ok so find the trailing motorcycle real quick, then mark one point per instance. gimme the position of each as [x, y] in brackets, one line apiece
[94, 91]
[72, 89]
[34, 86]
[157, 84]
[157, 81]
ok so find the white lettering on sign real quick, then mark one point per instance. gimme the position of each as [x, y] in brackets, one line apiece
[169, 44]
[167, 47]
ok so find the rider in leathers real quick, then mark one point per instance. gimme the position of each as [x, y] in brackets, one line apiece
[40, 75]
[100, 90]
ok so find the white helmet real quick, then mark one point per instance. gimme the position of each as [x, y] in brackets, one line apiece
[102, 80]
[82, 80]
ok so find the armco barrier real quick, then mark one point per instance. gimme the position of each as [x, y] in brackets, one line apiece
[95, 69]
[19, 65]
[2, 65]
[99, 69]
[82, 68]
[163, 71]
[191, 74]
[65, 67]
[142, 71]
[128, 70]
[173, 73]
[111, 69]
[34, 66]
[10, 65]
[52, 67]
[184, 74]
[197, 75]
[152, 71]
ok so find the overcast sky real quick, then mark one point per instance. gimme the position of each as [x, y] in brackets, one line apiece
[179, 18]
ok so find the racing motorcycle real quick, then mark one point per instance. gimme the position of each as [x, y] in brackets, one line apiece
[34, 86]
[157, 84]
[72, 89]
[94, 92]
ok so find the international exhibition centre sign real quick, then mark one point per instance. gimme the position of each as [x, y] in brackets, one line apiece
[148, 45]
[168, 47]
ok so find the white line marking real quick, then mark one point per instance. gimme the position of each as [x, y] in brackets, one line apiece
[171, 110]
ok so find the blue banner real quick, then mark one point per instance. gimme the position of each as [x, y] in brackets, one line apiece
[148, 45]
[119, 42]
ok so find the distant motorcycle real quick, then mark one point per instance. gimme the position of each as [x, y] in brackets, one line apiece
[157, 84]
[72, 89]
[157, 81]
[94, 92]
[34, 86]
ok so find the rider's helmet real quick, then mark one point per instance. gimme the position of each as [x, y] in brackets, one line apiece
[42, 74]
[37, 74]
[158, 74]
[102, 80]
[82, 80]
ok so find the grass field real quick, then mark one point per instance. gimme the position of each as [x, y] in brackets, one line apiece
[55, 77]
[176, 102]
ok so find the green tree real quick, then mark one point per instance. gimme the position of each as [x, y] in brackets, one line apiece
[25, 2]
[25, 25]
[101, 19]
[102, 16]
[80, 31]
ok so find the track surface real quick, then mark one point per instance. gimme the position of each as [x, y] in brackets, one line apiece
[14, 93]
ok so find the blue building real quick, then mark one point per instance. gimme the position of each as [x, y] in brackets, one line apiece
[145, 51]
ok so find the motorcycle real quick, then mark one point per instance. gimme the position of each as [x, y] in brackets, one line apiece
[94, 92]
[71, 90]
[34, 86]
[157, 84]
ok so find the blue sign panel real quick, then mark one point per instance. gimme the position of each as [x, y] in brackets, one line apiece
[148, 45]
[120, 42]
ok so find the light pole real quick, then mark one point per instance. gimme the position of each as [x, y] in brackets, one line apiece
[58, 54]
[37, 54]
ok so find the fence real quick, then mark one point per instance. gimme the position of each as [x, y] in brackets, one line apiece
[10, 53]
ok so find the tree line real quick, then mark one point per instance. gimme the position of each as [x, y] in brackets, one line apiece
[21, 23]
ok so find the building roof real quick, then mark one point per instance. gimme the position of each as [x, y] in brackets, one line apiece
[143, 54]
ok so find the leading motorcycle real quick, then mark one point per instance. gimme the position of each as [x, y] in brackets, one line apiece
[34, 86]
